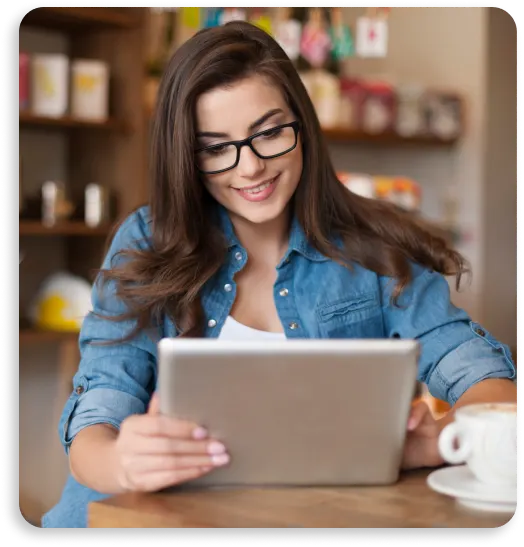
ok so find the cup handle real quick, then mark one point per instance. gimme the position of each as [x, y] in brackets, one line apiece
[450, 435]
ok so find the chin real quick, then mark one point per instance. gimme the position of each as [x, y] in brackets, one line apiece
[259, 214]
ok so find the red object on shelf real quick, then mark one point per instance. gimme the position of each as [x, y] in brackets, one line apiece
[378, 108]
[23, 81]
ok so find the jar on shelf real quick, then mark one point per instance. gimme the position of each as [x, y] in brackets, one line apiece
[378, 108]
[351, 99]
[410, 119]
[443, 113]
[327, 98]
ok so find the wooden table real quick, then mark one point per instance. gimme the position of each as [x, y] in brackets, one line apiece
[407, 504]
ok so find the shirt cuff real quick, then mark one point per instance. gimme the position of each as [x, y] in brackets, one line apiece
[473, 361]
[97, 406]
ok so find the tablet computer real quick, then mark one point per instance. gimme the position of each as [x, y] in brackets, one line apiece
[294, 412]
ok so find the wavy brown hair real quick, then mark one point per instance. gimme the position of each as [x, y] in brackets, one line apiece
[187, 247]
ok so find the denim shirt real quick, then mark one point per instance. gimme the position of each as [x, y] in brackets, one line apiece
[315, 297]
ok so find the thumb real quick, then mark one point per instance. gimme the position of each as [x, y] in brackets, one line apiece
[418, 412]
[154, 405]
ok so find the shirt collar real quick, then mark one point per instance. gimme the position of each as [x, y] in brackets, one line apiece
[298, 242]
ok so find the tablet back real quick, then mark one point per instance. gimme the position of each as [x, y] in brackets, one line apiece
[295, 412]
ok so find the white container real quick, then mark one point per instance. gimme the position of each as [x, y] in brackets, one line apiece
[90, 89]
[96, 205]
[49, 84]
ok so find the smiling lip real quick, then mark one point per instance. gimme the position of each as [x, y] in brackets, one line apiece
[258, 192]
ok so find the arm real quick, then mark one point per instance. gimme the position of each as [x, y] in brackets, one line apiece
[460, 362]
[491, 390]
[113, 444]
[112, 382]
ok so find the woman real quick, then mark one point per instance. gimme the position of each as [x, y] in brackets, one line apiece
[249, 234]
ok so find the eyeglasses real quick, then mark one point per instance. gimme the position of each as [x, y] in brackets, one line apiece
[267, 144]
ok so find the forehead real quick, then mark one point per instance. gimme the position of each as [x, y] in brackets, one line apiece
[233, 108]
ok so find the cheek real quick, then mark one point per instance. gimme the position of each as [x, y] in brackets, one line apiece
[217, 183]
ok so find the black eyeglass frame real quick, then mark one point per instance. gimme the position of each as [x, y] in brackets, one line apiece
[248, 142]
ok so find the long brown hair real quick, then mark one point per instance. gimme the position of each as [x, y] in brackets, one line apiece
[187, 247]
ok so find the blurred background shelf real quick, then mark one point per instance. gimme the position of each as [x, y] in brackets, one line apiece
[71, 228]
[347, 136]
[30, 335]
[73, 19]
[29, 119]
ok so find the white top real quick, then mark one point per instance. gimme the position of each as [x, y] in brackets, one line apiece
[233, 330]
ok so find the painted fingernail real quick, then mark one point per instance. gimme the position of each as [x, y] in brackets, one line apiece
[215, 448]
[220, 459]
[199, 433]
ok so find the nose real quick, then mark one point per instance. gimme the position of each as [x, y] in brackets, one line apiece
[249, 164]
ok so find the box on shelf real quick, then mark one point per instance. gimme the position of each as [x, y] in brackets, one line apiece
[49, 84]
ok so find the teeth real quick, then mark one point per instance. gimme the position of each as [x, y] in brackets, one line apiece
[258, 189]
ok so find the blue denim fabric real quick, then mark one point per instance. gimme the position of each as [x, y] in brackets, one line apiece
[324, 299]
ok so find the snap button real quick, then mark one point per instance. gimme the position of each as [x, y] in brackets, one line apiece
[79, 390]
[238, 255]
[293, 325]
[211, 323]
[228, 287]
[480, 332]
[283, 292]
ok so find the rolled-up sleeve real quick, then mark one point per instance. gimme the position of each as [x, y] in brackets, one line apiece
[116, 380]
[455, 352]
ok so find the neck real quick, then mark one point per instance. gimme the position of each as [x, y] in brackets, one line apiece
[267, 242]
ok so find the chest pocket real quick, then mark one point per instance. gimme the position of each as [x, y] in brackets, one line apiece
[355, 317]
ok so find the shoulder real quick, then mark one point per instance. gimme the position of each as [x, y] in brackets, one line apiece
[132, 234]
[134, 231]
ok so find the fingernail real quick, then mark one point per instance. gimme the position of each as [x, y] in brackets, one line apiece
[220, 459]
[215, 448]
[199, 433]
[411, 424]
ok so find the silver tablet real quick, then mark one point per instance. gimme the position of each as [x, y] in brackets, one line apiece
[295, 412]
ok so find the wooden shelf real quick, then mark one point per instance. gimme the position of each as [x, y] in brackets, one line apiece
[29, 119]
[74, 19]
[70, 228]
[388, 138]
[37, 336]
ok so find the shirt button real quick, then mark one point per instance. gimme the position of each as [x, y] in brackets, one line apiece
[211, 323]
[283, 292]
[238, 255]
[228, 287]
[79, 390]
[293, 325]
[480, 332]
[286, 261]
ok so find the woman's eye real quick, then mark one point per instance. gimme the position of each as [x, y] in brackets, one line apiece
[217, 151]
[272, 133]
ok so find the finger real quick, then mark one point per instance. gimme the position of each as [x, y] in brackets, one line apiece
[158, 463]
[166, 426]
[151, 482]
[418, 411]
[154, 405]
[165, 445]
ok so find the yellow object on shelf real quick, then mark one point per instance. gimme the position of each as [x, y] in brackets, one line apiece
[61, 303]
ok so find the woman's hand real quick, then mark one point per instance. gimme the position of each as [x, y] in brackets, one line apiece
[155, 451]
[421, 448]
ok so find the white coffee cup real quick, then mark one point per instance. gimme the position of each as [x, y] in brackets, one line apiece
[484, 436]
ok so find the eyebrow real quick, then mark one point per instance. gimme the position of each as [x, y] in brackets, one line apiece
[269, 114]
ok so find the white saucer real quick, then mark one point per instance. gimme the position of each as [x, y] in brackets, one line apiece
[460, 483]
